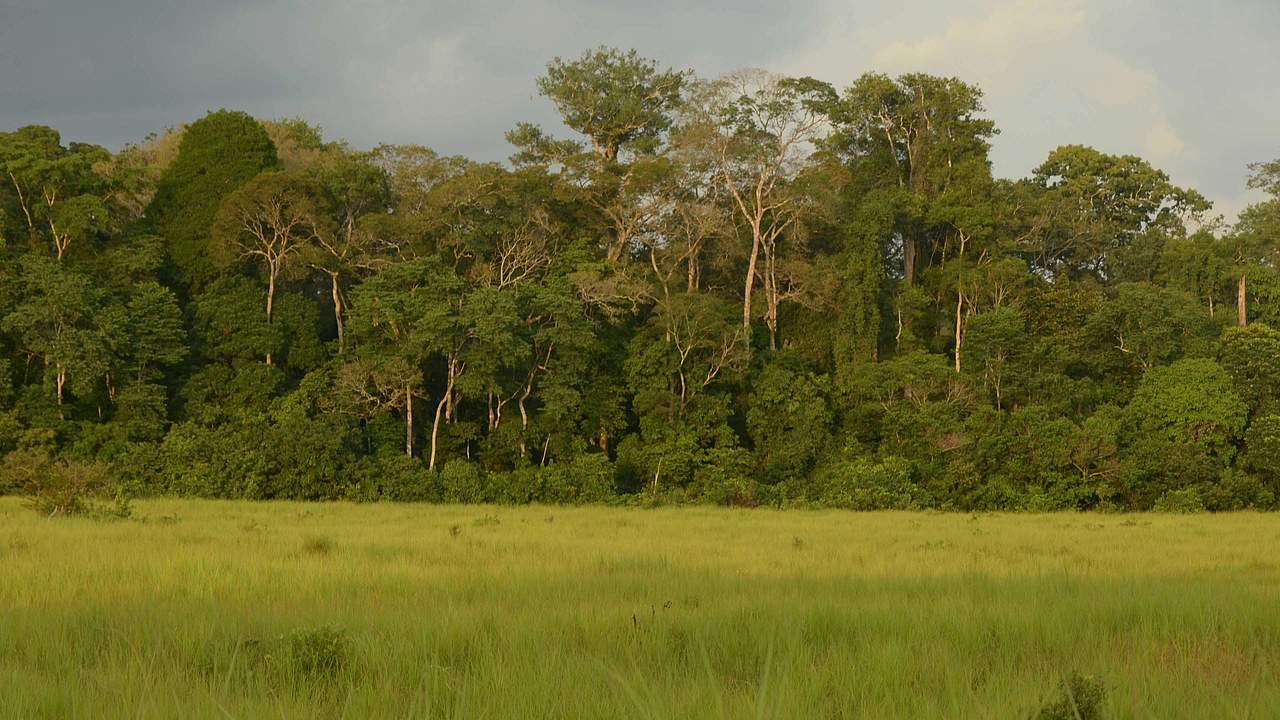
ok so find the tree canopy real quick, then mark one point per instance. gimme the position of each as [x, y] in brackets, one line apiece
[745, 289]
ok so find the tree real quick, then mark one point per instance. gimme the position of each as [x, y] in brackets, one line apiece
[619, 101]
[1251, 356]
[357, 188]
[58, 190]
[789, 419]
[1191, 400]
[1255, 240]
[754, 131]
[1145, 325]
[274, 221]
[401, 318]
[911, 138]
[623, 104]
[64, 323]
[157, 335]
[219, 153]
[1102, 214]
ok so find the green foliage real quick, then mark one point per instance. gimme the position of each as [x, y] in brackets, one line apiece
[1080, 697]
[618, 100]
[62, 487]
[870, 484]
[746, 290]
[1251, 356]
[789, 420]
[1262, 448]
[1145, 325]
[1189, 401]
[587, 478]
[219, 153]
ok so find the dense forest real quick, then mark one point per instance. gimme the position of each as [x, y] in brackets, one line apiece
[752, 290]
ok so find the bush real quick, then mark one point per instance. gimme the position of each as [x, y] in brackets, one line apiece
[587, 478]
[1080, 698]
[462, 482]
[867, 484]
[1186, 500]
[62, 487]
[518, 487]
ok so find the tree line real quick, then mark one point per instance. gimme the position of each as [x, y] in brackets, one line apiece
[750, 289]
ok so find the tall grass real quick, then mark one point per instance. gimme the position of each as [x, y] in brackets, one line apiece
[221, 609]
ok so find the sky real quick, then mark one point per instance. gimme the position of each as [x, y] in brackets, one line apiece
[1189, 85]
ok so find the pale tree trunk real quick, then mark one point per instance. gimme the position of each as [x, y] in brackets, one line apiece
[440, 406]
[22, 202]
[1241, 309]
[271, 298]
[960, 300]
[435, 432]
[751, 276]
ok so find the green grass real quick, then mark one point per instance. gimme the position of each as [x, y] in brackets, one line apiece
[223, 609]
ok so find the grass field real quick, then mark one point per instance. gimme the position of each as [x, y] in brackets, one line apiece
[222, 609]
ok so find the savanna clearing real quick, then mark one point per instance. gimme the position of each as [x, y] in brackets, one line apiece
[214, 609]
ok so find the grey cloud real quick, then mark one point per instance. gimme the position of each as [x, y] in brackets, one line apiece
[455, 75]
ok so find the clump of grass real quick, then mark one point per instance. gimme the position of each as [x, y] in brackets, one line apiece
[455, 530]
[1079, 698]
[301, 656]
[317, 545]
[316, 652]
[486, 521]
[797, 543]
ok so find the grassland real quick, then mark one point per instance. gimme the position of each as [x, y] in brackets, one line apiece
[221, 609]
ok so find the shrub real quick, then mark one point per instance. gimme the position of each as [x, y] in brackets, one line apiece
[587, 478]
[1186, 500]
[867, 484]
[462, 482]
[517, 487]
[1080, 698]
[62, 487]
[316, 653]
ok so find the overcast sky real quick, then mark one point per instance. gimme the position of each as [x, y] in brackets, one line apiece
[1191, 85]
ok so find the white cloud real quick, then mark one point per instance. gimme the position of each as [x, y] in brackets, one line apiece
[1163, 143]
[1054, 72]
[994, 40]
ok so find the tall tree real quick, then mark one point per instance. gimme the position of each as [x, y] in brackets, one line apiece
[1255, 240]
[911, 137]
[219, 153]
[273, 221]
[754, 131]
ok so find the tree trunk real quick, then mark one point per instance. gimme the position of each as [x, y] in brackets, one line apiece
[440, 406]
[435, 432]
[1241, 309]
[771, 298]
[337, 310]
[271, 298]
[751, 278]
[908, 260]
[959, 328]
[408, 419]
